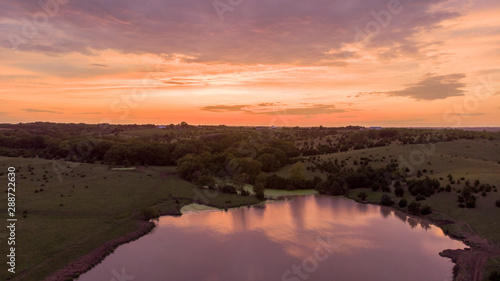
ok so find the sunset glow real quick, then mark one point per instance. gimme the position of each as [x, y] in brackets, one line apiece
[281, 63]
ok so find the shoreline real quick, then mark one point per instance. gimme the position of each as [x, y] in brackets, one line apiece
[85, 263]
[469, 262]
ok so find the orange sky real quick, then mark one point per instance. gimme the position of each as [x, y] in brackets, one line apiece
[305, 63]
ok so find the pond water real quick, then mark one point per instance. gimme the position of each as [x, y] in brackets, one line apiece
[306, 238]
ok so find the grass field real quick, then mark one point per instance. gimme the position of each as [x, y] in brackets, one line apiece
[85, 207]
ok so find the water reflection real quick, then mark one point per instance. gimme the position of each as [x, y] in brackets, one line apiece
[255, 244]
[385, 211]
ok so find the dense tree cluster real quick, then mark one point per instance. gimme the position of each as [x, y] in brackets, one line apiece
[423, 187]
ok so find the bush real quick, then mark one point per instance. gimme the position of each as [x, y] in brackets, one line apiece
[399, 191]
[497, 203]
[425, 210]
[414, 208]
[148, 213]
[470, 202]
[403, 203]
[362, 196]
[386, 200]
[228, 189]
[448, 188]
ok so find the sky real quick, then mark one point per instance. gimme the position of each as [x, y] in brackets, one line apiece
[391, 63]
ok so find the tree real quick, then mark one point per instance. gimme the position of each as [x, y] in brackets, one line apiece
[403, 203]
[188, 165]
[386, 200]
[419, 174]
[269, 162]
[399, 191]
[259, 186]
[362, 196]
[414, 208]
[425, 210]
[297, 176]
[206, 180]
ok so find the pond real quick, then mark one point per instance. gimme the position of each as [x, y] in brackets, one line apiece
[306, 238]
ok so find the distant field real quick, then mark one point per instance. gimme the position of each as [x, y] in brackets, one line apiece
[87, 206]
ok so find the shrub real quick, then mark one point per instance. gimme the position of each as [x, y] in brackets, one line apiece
[497, 203]
[362, 196]
[470, 202]
[399, 191]
[228, 189]
[414, 208]
[425, 210]
[461, 205]
[448, 188]
[403, 203]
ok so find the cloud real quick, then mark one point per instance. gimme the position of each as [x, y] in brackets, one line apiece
[32, 110]
[224, 108]
[98, 65]
[253, 32]
[432, 87]
[264, 104]
[88, 113]
[277, 109]
[315, 109]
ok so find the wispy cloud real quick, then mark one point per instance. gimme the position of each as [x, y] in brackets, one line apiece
[315, 109]
[33, 110]
[277, 109]
[89, 113]
[98, 65]
[224, 108]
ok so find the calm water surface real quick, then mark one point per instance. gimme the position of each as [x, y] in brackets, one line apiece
[308, 238]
